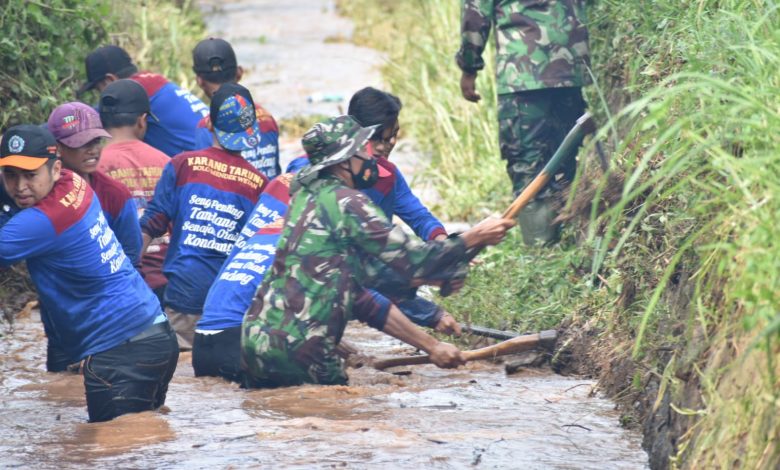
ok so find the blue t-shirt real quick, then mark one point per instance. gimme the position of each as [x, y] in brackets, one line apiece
[173, 128]
[121, 212]
[94, 298]
[237, 281]
[206, 196]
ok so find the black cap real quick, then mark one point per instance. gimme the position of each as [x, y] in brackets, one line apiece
[213, 55]
[105, 60]
[124, 96]
[27, 146]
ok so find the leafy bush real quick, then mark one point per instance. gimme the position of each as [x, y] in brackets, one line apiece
[43, 46]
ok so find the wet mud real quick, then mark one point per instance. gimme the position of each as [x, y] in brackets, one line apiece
[427, 417]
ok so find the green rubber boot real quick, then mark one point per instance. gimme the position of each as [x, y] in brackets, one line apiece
[536, 223]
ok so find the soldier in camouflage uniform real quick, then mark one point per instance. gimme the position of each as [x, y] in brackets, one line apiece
[315, 286]
[542, 63]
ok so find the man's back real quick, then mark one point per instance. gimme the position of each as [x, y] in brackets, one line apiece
[206, 196]
[139, 166]
[174, 127]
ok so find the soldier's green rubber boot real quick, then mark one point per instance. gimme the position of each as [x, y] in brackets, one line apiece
[536, 223]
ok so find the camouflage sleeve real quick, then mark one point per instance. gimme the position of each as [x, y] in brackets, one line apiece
[476, 21]
[365, 226]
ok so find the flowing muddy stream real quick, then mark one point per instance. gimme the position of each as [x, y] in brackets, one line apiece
[431, 418]
[476, 416]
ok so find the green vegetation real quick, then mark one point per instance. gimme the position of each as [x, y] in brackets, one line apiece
[43, 47]
[680, 272]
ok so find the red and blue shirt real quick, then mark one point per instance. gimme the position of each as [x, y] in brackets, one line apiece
[206, 196]
[174, 127]
[94, 298]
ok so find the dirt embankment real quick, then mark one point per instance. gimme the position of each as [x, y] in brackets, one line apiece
[590, 348]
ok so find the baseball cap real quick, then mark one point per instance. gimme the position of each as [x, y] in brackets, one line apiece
[27, 146]
[124, 96]
[233, 117]
[105, 60]
[332, 141]
[213, 55]
[75, 124]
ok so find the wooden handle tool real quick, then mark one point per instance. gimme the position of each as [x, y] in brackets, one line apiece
[511, 346]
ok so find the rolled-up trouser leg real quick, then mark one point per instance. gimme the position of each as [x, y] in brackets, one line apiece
[531, 126]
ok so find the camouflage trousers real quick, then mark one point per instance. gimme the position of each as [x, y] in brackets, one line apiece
[271, 358]
[531, 126]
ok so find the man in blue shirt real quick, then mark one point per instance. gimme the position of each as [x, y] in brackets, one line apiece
[175, 112]
[214, 63]
[205, 196]
[97, 305]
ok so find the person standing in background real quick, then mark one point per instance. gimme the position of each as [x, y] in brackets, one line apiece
[177, 111]
[542, 61]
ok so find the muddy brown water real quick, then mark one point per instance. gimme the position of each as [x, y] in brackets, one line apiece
[431, 418]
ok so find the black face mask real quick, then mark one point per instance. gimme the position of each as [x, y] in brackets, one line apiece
[368, 174]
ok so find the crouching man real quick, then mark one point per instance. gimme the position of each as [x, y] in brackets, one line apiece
[98, 306]
[316, 283]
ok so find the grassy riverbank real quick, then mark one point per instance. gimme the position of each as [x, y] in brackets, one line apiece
[672, 287]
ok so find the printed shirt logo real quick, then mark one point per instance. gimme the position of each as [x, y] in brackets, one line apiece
[16, 144]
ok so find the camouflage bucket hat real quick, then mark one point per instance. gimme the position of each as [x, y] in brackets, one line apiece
[330, 142]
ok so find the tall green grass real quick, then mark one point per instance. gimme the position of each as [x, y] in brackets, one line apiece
[160, 36]
[686, 264]
[704, 151]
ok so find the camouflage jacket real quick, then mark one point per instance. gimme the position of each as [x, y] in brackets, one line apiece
[539, 43]
[299, 313]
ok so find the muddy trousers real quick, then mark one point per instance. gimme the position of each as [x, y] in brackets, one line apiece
[218, 354]
[531, 126]
[133, 376]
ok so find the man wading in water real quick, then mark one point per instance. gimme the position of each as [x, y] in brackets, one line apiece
[98, 307]
[298, 316]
